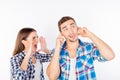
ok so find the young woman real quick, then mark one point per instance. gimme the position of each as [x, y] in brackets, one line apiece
[26, 62]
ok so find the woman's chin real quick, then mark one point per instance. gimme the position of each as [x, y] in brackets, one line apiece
[34, 51]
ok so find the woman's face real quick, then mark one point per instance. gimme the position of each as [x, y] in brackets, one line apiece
[31, 42]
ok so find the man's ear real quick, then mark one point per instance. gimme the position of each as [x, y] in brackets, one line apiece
[61, 34]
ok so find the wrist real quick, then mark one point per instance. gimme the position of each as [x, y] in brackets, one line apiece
[57, 48]
[47, 51]
[90, 35]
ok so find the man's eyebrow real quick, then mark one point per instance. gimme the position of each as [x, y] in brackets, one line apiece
[64, 27]
[72, 23]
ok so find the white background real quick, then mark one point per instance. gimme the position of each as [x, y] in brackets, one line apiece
[102, 17]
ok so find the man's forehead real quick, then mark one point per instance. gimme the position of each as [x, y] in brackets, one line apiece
[67, 23]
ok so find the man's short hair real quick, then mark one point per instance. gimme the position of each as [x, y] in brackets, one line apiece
[64, 19]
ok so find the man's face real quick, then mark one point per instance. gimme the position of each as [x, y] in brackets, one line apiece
[69, 30]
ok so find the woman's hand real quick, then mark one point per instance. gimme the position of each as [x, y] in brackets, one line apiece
[43, 45]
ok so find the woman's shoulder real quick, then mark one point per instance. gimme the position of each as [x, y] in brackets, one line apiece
[20, 55]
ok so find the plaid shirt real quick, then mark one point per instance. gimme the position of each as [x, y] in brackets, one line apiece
[84, 69]
[19, 74]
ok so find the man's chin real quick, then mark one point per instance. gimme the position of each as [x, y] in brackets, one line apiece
[73, 40]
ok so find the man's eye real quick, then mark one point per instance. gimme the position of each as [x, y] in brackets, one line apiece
[65, 29]
[73, 26]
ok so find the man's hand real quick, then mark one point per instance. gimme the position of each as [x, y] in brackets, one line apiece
[84, 32]
[59, 41]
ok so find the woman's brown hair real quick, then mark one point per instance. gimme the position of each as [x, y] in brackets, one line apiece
[22, 35]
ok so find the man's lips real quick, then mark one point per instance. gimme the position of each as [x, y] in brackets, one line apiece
[72, 36]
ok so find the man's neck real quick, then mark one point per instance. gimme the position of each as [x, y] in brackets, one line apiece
[72, 45]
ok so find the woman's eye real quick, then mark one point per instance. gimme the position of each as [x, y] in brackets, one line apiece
[33, 37]
[37, 36]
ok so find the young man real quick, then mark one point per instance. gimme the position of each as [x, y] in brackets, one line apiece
[72, 58]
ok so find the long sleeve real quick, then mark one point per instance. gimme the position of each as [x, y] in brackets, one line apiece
[96, 54]
[16, 71]
[44, 57]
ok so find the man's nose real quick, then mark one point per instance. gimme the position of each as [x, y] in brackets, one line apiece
[70, 30]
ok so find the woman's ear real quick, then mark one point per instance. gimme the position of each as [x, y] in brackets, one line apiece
[24, 42]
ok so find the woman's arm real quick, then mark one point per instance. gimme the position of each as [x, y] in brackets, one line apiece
[16, 71]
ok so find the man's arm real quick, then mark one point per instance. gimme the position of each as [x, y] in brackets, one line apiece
[104, 49]
[53, 69]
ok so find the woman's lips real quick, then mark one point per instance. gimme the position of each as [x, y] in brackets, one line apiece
[35, 46]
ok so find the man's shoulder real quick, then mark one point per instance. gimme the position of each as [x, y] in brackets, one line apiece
[84, 43]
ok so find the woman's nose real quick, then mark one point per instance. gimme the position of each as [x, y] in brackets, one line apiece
[36, 40]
